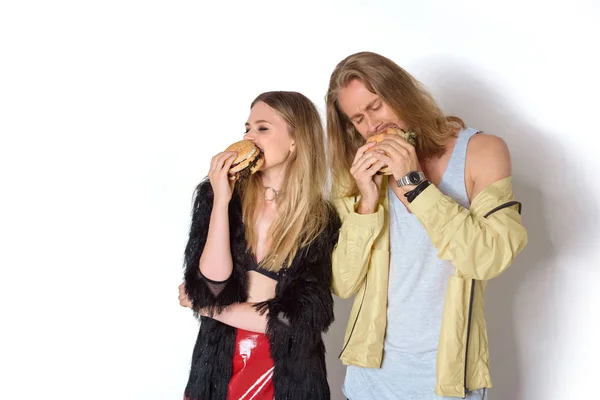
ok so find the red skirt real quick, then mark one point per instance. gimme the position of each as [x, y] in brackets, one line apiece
[252, 377]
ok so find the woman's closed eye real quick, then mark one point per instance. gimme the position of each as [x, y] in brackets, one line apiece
[262, 129]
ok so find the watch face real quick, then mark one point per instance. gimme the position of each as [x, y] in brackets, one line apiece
[414, 177]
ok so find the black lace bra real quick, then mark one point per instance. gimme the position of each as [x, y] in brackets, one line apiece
[252, 265]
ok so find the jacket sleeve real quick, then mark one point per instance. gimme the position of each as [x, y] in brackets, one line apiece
[352, 254]
[202, 292]
[303, 306]
[482, 241]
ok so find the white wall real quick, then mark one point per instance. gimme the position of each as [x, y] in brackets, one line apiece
[110, 112]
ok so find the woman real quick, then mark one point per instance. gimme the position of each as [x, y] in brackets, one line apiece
[258, 263]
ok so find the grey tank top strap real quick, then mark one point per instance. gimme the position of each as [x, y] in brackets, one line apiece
[452, 183]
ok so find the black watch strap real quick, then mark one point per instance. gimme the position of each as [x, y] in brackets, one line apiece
[411, 195]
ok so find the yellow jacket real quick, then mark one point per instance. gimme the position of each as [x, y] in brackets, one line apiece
[481, 242]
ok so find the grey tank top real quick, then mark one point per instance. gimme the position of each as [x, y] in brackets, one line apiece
[416, 293]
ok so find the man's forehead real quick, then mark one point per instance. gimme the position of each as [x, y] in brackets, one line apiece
[354, 103]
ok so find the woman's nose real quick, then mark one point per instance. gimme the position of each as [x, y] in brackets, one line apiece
[249, 136]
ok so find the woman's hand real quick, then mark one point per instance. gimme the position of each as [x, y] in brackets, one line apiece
[219, 179]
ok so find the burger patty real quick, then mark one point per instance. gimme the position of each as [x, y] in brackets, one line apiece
[245, 173]
[251, 154]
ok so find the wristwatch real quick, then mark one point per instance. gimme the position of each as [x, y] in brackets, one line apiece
[412, 178]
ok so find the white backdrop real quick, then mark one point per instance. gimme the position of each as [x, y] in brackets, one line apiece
[110, 112]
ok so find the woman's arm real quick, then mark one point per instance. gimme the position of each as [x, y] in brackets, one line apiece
[203, 292]
[216, 263]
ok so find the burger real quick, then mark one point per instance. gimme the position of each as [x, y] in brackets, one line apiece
[249, 160]
[409, 136]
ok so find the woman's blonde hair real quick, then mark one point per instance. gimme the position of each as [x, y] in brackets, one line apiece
[301, 210]
[402, 92]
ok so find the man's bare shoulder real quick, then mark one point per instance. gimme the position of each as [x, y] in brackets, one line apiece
[488, 160]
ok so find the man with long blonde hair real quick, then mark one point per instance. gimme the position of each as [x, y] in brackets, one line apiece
[418, 245]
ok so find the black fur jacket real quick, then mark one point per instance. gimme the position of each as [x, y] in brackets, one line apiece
[298, 315]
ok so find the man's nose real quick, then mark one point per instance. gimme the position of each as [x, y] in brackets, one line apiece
[373, 125]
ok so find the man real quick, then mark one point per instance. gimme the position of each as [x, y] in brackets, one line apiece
[417, 246]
